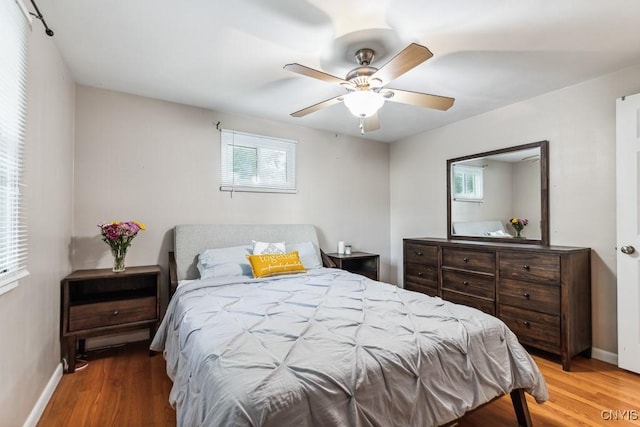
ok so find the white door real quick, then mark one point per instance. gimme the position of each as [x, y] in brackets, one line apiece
[628, 230]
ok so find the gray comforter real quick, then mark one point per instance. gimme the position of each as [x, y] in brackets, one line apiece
[331, 348]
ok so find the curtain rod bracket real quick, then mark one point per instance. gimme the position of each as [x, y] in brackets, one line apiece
[39, 16]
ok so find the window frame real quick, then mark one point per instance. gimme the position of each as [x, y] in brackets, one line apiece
[262, 180]
[13, 105]
[476, 193]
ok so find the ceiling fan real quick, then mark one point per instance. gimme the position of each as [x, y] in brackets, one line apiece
[365, 85]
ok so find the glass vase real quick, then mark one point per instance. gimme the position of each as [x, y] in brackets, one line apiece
[119, 255]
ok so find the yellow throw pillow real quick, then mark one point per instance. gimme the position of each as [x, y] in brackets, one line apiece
[272, 264]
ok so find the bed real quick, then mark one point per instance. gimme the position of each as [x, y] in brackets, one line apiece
[325, 347]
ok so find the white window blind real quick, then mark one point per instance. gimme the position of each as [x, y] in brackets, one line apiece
[13, 80]
[467, 183]
[257, 163]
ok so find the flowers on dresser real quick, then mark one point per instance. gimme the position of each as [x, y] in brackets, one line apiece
[518, 224]
[118, 235]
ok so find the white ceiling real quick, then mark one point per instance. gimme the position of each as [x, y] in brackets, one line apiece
[228, 55]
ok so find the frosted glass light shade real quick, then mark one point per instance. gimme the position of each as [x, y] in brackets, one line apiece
[363, 103]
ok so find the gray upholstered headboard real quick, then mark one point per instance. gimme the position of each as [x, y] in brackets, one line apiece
[192, 239]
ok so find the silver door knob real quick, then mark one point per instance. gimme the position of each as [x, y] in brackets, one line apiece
[627, 249]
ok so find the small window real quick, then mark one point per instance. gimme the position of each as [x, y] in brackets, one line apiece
[467, 183]
[257, 163]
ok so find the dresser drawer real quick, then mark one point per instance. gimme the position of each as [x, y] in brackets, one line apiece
[421, 254]
[86, 316]
[474, 284]
[469, 260]
[488, 306]
[422, 274]
[537, 329]
[530, 296]
[431, 290]
[542, 268]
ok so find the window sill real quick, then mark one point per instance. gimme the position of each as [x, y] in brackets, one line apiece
[11, 282]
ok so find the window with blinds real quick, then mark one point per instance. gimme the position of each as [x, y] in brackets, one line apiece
[13, 81]
[467, 183]
[257, 163]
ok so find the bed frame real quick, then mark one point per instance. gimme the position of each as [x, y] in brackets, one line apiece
[192, 239]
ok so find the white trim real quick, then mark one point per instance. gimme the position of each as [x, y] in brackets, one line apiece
[25, 11]
[11, 282]
[605, 356]
[45, 396]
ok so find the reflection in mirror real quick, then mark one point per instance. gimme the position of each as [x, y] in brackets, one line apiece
[487, 190]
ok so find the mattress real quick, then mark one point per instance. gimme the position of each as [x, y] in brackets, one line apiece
[331, 348]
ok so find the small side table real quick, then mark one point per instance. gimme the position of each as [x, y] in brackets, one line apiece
[363, 263]
[100, 302]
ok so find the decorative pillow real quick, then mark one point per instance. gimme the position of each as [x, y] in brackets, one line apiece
[274, 264]
[260, 248]
[308, 254]
[231, 261]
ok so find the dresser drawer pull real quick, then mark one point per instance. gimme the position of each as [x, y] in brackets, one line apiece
[465, 259]
[418, 253]
[526, 267]
[526, 323]
[420, 273]
[465, 283]
[526, 295]
[116, 312]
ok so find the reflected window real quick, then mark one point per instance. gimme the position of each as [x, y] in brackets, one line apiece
[467, 183]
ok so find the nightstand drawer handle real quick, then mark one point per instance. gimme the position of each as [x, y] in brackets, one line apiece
[526, 323]
[465, 259]
[116, 312]
[420, 273]
[465, 283]
[418, 253]
[526, 295]
[526, 267]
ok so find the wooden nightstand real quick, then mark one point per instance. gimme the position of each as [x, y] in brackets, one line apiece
[362, 263]
[100, 302]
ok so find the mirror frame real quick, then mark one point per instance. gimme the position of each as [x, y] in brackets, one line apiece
[544, 195]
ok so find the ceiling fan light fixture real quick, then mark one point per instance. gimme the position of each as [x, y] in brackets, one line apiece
[363, 103]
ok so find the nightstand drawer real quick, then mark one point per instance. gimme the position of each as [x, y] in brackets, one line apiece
[86, 316]
[542, 268]
[530, 296]
[473, 284]
[537, 329]
[484, 262]
[488, 306]
[421, 254]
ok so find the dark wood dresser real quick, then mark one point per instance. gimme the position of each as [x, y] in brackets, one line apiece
[543, 293]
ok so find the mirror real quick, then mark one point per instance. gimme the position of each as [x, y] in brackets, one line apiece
[486, 190]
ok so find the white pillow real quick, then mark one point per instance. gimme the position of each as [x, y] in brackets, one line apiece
[220, 262]
[308, 254]
[260, 248]
[498, 233]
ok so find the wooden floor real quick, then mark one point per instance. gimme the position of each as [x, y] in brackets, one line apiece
[125, 387]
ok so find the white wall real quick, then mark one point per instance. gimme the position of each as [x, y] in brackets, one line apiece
[29, 314]
[158, 162]
[579, 122]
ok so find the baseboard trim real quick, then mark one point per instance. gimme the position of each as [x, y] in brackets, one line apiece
[605, 356]
[45, 396]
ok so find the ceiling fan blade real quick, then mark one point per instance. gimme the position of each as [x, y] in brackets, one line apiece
[421, 99]
[318, 106]
[310, 72]
[412, 56]
[371, 123]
